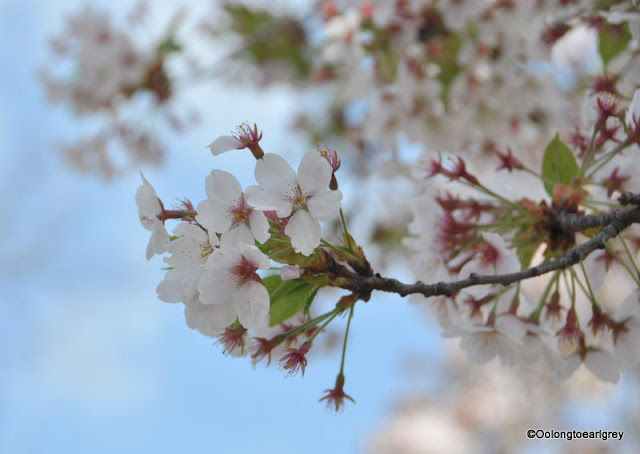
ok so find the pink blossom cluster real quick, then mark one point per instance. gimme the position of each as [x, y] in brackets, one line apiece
[107, 64]
[588, 314]
[100, 70]
[221, 252]
[470, 76]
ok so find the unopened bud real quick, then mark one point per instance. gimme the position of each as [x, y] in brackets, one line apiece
[569, 335]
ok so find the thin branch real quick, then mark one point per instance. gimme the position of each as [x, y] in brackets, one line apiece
[613, 223]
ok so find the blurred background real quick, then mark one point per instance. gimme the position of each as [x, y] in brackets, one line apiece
[92, 361]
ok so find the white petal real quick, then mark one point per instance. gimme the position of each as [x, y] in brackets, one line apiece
[480, 347]
[628, 307]
[252, 305]
[213, 215]
[275, 175]
[189, 283]
[263, 200]
[255, 256]
[158, 241]
[627, 345]
[512, 327]
[508, 351]
[223, 186]
[314, 173]
[209, 319]
[304, 232]
[531, 349]
[224, 143]
[168, 289]
[259, 226]
[507, 258]
[564, 368]
[237, 235]
[216, 287]
[149, 252]
[190, 231]
[147, 201]
[633, 109]
[223, 258]
[187, 250]
[325, 205]
[603, 365]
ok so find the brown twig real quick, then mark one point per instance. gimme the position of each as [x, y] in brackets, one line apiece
[612, 224]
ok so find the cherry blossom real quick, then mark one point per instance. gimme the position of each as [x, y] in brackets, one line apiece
[627, 331]
[149, 207]
[231, 279]
[517, 263]
[226, 210]
[503, 339]
[305, 197]
[244, 137]
[602, 364]
[223, 144]
[189, 251]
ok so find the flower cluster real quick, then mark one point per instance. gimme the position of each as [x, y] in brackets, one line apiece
[471, 76]
[520, 236]
[100, 69]
[568, 317]
[219, 252]
[456, 75]
[107, 64]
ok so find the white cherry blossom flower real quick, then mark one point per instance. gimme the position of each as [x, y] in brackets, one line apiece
[189, 252]
[226, 210]
[223, 144]
[495, 257]
[305, 196]
[599, 362]
[482, 343]
[209, 319]
[244, 136]
[627, 338]
[602, 364]
[149, 207]
[231, 279]
[563, 369]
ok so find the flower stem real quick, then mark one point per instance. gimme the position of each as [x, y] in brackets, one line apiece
[344, 345]
[632, 259]
[324, 325]
[305, 326]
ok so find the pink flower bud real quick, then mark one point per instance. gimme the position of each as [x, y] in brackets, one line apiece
[289, 272]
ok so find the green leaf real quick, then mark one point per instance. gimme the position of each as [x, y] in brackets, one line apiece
[269, 38]
[448, 63]
[246, 21]
[279, 249]
[558, 164]
[613, 40]
[169, 46]
[288, 297]
[525, 252]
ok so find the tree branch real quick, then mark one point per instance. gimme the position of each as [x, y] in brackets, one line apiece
[613, 223]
